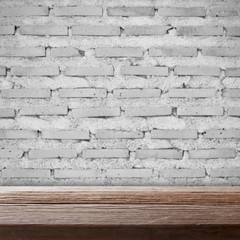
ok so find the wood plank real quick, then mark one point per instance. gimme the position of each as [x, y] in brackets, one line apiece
[120, 195]
[118, 214]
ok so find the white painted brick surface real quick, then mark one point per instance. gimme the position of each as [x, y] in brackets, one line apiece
[212, 153]
[136, 93]
[148, 111]
[129, 173]
[225, 172]
[221, 52]
[77, 173]
[43, 110]
[232, 93]
[24, 11]
[82, 10]
[35, 71]
[225, 133]
[119, 52]
[183, 173]
[112, 134]
[83, 93]
[159, 154]
[191, 93]
[66, 52]
[105, 153]
[7, 30]
[200, 30]
[26, 173]
[141, 70]
[89, 71]
[3, 71]
[7, 113]
[17, 134]
[26, 93]
[130, 11]
[86, 30]
[200, 111]
[8, 153]
[233, 72]
[146, 30]
[42, 30]
[173, 52]
[64, 134]
[197, 71]
[22, 52]
[52, 153]
[174, 134]
[182, 12]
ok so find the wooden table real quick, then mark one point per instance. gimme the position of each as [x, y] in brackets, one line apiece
[117, 213]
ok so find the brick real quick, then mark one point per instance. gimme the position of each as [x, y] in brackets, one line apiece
[174, 134]
[173, 52]
[52, 153]
[24, 11]
[222, 12]
[233, 31]
[212, 153]
[113, 134]
[35, 71]
[7, 113]
[159, 154]
[233, 72]
[83, 93]
[136, 93]
[89, 71]
[11, 153]
[64, 134]
[183, 173]
[96, 112]
[22, 52]
[43, 110]
[191, 92]
[7, 30]
[182, 12]
[26, 173]
[42, 30]
[222, 133]
[105, 153]
[66, 52]
[200, 111]
[3, 71]
[119, 52]
[199, 31]
[147, 111]
[130, 11]
[26, 93]
[86, 30]
[225, 172]
[144, 71]
[232, 93]
[146, 30]
[196, 71]
[129, 173]
[78, 11]
[234, 111]
[221, 52]
[77, 173]
[18, 134]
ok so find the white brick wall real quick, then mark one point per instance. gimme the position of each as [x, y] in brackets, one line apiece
[120, 92]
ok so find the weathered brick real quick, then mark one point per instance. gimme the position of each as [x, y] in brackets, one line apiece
[105, 153]
[43, 110]
[191, 92]
[83, 93]
[147, 111]
[233, 31]
[234, 111]
[77, 173]
[26, 93]
[22, 52]
[222, 133]
[233, 72]
[146, 30]
[24, 11]
[26, 173]
[89, 71]
[225, 172]
[52, 153]
[223, 12]
[78, 11]
[221, 52]
[7, 113]
[119, 52]
[199, 30]
[17, 134]
[113, 134]
[3, 71]
[182, 12]
[96, 112]
[136, 93]
[7, 30]
[130, 11]
[200, 111]
[35, 71]
[197, 71]
[232, 93]
[86, 30]
[42, 30]
[159, 154]
[173, 52]
[144, 71]
[183, 173]
[66, 52]
[65, 134]
[11, 153]
[174, 134]
[212, 153]
[129, 173]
